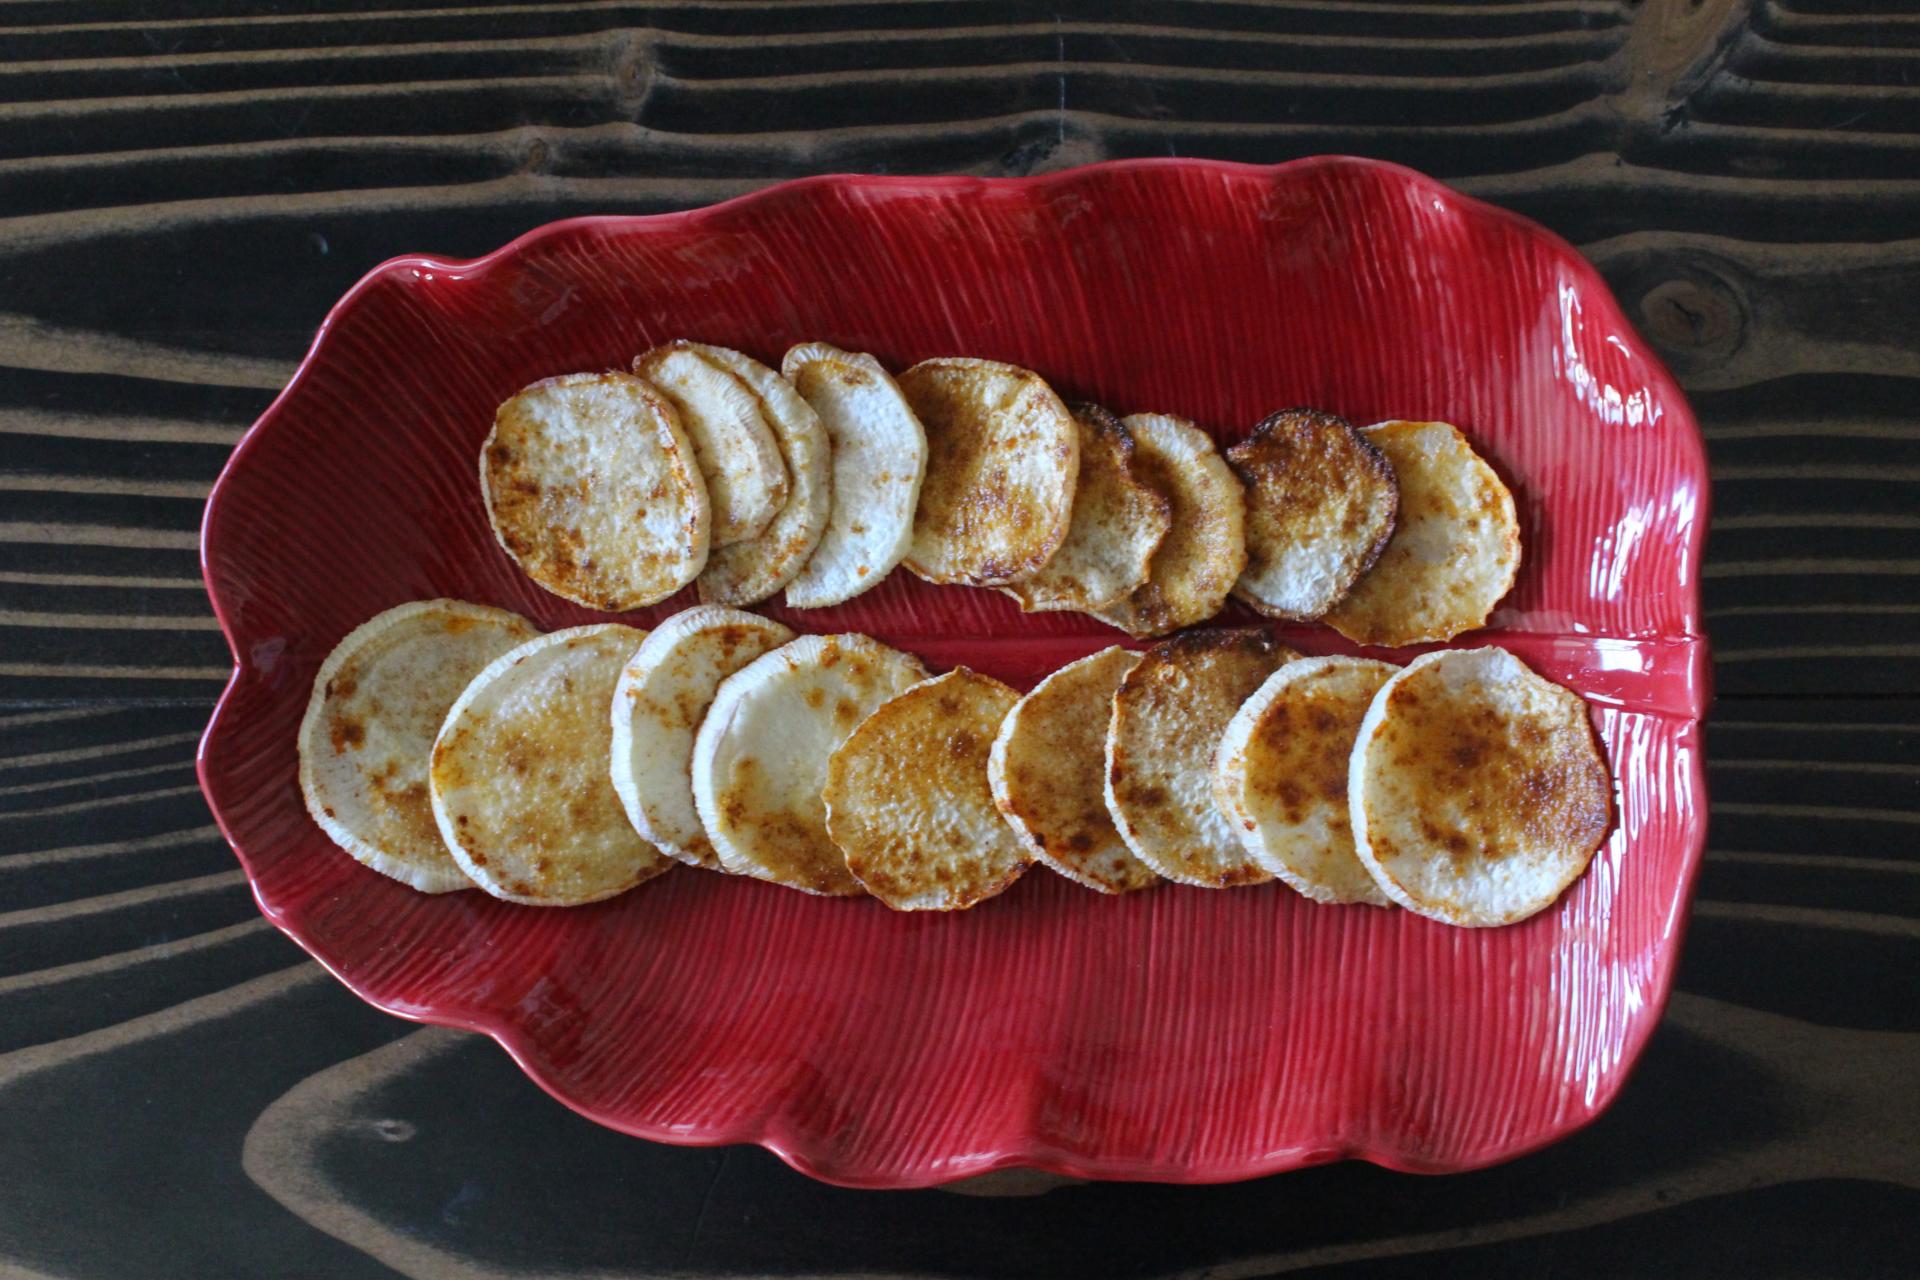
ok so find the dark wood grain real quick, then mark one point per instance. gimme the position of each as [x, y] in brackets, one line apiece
[185, 189]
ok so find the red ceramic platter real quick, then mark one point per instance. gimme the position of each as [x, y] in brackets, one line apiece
[1180, 1034]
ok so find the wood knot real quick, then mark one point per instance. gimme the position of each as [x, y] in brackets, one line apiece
[631, 73]
[391, 1130]
[1674, 46]
[1696, 320]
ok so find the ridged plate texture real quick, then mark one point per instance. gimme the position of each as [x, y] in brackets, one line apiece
[1180, 1034]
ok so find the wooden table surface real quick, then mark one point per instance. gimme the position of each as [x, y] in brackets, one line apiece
[185, 188]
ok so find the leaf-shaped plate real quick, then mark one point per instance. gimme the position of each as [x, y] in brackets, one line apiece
[1179, 1034]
